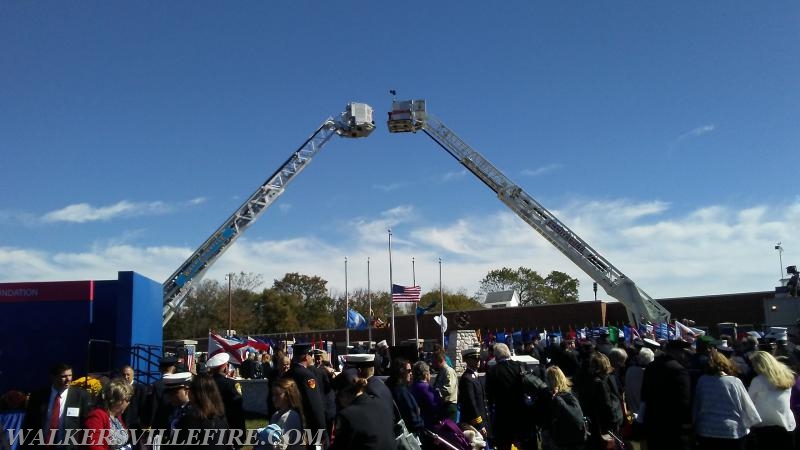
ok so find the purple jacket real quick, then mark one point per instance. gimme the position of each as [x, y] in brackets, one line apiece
[428, 401]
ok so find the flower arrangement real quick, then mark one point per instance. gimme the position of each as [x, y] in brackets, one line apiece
[13, 400]
[92, 385]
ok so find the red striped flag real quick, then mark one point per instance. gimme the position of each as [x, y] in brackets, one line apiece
[405, 293]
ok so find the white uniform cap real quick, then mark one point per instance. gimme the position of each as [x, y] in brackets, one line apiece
[174, 380]
[778, 333]
[218, 360]
[360, 359]
[651, 343]
[383, 344]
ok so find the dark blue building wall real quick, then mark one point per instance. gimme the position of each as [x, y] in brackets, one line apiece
[35, 333]
[96, 326]
[127, 320]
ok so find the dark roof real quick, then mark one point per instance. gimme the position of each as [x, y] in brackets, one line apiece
[499, 297]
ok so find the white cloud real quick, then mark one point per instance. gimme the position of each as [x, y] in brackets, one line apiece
[541, 170]
[454, 175]
[387, 187]
[699, 131]
[696, 132]
[84, 212]
[712, 250]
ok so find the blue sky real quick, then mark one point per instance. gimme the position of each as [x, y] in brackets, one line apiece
[665, 134]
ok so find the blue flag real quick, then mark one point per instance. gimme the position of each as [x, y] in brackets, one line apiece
[423, 309]
[355, 321]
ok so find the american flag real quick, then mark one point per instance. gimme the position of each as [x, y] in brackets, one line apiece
[405, 293]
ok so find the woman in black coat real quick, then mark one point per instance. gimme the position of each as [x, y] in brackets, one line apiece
[398, 381]
[206, 414]
[362, 423]
[603, 402]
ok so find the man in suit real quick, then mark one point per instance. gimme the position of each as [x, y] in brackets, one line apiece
[134, 414]
[471, 395]
[54, 410]
[667, 399]
[512, 421]
[229, 389]
[313, 405]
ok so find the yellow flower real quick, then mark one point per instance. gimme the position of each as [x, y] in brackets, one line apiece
[92, 385]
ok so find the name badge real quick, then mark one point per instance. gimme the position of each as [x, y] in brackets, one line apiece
[73, 412]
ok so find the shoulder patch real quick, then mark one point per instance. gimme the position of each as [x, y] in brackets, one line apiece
[238, 388]
[312, 383]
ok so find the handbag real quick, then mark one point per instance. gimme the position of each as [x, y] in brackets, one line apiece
[612, 442]
[404, 439]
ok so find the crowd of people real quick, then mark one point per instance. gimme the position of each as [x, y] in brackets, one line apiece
[592, 394]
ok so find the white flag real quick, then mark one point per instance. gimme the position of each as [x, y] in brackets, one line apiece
[441, 320]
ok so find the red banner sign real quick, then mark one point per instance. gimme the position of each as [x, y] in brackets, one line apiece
[47, 291]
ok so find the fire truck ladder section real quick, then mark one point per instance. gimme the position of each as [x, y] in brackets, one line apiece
[355, 122]
[411, 116]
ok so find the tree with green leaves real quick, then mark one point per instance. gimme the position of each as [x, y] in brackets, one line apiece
[453, 301]
[533, 289]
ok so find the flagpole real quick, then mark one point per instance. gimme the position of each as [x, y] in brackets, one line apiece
[391, 284]
[346, 312]
[441, 299]
[369, 299]
[416, 320]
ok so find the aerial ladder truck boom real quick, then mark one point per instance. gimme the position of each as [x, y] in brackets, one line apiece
[355, 122]
[411, 116]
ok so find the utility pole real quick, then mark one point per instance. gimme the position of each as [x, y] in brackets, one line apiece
[230, 304]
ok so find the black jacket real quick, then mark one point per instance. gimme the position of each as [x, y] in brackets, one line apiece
[76, 409]
[231, 393]
[472, 399]
[505, 396]
[364, 425]
[313, 404]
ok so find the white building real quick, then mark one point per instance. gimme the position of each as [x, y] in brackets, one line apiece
[501, 299]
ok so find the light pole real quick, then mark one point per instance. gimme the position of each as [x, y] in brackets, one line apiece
[780, 258]
[346, 312]
[230, 303]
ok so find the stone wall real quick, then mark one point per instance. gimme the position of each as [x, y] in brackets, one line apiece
[460, 340]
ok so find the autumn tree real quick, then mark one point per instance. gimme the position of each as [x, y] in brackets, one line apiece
[208, 306]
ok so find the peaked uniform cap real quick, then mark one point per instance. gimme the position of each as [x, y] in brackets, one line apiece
[168, 361]
[778, 333]
[650, 343]
[470, 352]
[218, 360]
[177, 380]
[360, 359]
